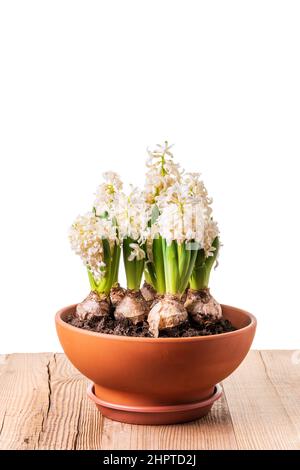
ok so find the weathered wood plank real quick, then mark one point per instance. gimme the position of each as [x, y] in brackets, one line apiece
[259, 418]
[212, 432]
[72, 422]
[24, 399]
[283, 370]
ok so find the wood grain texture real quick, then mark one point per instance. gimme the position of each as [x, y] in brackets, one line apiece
[24, 399]
[285, 378]
[259, 417]
[69, 423]
[43, 405]
[215, 431]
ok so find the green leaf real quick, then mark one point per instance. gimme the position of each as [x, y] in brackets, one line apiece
[158, 261]
[193, 248]
[201, 274]
[134, 269]
[171, 266]
[91, 280]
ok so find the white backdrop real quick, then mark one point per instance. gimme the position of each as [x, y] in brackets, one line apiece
[85, 86]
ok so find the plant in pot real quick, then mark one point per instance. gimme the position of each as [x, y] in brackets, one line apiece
[155, 354]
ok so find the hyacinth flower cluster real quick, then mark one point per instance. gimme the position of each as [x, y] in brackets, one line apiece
[165, 232]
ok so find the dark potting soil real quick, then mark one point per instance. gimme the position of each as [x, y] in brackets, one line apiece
[109, 325]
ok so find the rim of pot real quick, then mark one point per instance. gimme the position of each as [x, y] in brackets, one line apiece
[184, 339]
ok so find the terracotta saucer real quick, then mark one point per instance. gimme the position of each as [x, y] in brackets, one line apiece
[155, 414]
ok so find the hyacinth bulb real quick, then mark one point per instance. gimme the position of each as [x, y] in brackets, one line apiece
[168, 312]
[132, 306]
[117, 293]
[94, 305]
[200, 303]
[148, 292]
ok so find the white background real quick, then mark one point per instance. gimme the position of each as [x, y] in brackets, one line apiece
[85, 86]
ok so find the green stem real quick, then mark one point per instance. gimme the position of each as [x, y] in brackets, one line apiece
[116, 264]
[184, 258]
[158, 261]
[200, 278]
[92, 280]
[134, 269]
[149, 273]
[203, 266]
[111, 259]
[103, 286]
[190, 260]
[171, 266]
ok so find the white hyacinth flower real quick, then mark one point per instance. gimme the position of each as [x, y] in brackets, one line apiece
[86, 237]
[162, 172]
[137, 252]
[132, 214]
[108, 193]
[211, 231]
[182, 222]
[185, 214]
[196, 188]
[161, 150]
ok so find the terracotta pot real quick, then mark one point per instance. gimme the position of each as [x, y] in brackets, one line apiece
[143, 374]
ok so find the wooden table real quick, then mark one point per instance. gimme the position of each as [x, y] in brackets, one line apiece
[43, 405]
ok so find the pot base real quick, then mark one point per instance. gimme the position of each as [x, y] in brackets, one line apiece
[173, 414]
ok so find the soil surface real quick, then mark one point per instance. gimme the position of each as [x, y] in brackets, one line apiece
[110, 326]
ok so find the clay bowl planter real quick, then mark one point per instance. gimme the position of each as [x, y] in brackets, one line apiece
[156, 380]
